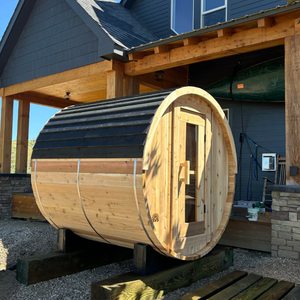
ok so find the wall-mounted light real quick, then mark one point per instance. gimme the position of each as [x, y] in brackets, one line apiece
[67, 96]
[160, 75]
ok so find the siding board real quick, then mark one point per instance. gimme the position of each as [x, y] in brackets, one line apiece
[156, 15]
[54, 40]
[237, 9]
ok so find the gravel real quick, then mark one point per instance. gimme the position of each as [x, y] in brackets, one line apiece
[20, 238]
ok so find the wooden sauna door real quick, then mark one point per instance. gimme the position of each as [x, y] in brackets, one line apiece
[188, 199]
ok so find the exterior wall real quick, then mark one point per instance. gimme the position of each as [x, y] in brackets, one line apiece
[265, 124]
[53, 40]
[156, 15]
[238, 8]
[9, 184]
[286, 225]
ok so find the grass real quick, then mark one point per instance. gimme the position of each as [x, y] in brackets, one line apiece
[13, 156]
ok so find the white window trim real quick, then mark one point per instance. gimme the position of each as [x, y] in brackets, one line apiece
[172, 16]
[226, 113]
[203, 13]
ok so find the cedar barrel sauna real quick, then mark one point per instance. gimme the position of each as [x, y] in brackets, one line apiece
[156, 168]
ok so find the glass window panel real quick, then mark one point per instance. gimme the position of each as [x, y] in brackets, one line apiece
[182, 15]
[191, 156]
[214, 18]
[212, 4]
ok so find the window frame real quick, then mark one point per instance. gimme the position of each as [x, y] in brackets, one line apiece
[203, 13]
[173, 17]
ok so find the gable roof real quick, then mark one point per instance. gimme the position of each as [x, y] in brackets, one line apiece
[115, 26]
[117, 22]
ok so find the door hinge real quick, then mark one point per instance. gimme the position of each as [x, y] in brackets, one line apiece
[204, 209]
[204, 138]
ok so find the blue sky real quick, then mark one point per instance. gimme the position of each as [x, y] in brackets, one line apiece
[39, 115]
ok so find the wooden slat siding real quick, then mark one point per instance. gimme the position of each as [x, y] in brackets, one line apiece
[6, 134]
[247, 235]
[121, 126]
[54, 40]
[24, 206]
[22, 137]
[155, 15]
[292, 107]
[237, 9]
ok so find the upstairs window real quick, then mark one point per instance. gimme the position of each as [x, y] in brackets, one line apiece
[213, 12]
[182, 16]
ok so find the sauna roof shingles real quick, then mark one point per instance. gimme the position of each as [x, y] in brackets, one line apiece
[118, 22]
[115, 128]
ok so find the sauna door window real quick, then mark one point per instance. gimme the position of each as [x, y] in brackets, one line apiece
[191, 183]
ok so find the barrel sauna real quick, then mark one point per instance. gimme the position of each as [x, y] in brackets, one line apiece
[156, 168]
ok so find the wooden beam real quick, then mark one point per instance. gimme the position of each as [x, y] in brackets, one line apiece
[45, 100]
[191, 41]
[240, 42]
[292, 107]
[175, 77]
[74, 74]
[22, 137]
[224, 32]
[265, 22]
[161, 49]
[114, 84]
[131, 86]
[132, 286]
[139, 55]
[6, 134]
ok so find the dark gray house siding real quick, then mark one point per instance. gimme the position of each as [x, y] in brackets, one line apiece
[53, 40]
[238, 8]
[156, 15]
[265, 124]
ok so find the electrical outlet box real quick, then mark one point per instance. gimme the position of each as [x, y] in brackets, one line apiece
[269, 162]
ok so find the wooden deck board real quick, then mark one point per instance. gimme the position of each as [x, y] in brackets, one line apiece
[238, 286]
[213, 288]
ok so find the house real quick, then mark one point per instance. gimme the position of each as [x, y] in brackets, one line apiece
[64, 52]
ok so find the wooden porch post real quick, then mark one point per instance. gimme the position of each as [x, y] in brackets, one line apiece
[6, 134]
[131, 86]
[22, 138]
[114, 84]
[292, 107]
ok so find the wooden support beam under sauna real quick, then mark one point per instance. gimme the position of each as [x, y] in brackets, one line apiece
[157, 169]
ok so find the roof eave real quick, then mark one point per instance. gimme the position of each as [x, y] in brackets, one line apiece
[234, 22]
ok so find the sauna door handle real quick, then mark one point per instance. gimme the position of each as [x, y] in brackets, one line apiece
[185, 172]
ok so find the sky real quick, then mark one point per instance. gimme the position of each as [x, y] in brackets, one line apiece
[39, 115]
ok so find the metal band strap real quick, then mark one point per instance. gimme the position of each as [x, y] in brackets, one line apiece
[138, 208]
[38, 195]
[78, 167]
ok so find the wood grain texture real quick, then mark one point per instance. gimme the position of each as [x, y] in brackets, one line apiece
[6, 134]
[126, 201]
[213, 288]
[24, 206]
[22, 137]
[131, 286]
[292, 107]
[278, 291]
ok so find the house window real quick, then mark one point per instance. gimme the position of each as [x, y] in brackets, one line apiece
[182, 17]
[213, 12]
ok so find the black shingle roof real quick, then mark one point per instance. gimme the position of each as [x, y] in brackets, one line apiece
[118, 22]
[115, 128]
